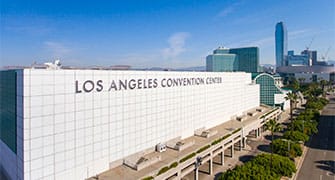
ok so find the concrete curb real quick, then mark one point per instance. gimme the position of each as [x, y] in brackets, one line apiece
[301, 160]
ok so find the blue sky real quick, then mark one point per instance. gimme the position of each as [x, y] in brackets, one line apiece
[151, 33]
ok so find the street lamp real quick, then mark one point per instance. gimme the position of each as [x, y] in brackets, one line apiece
[288, 144]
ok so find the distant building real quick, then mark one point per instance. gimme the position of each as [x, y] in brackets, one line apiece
[248, 58]
[306, 69]
[236, 59]
[281, 44]
[271, 92]
[298, 60]
[121, 67]
[221, 61]
[312, 56]
[314, 77]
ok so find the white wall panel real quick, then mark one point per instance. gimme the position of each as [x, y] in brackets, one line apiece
[83, 132]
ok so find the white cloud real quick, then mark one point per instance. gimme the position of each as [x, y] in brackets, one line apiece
[266, 41]
[56, 49]
[302, 33]
[228, 10]
[176, 45]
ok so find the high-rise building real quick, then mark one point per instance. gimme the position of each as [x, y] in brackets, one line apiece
[281, 44]
[236, 59]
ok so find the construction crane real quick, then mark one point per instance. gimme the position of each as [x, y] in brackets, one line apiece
[324, 57]
[310, 43]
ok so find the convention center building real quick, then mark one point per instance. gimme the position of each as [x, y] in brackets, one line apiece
[76, 123]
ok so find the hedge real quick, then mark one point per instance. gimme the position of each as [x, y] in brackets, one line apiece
[269, 113]
[166, 168]
[187, 157]
[148, 178]
[203, 148]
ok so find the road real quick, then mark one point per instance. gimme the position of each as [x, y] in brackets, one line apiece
[319, 163]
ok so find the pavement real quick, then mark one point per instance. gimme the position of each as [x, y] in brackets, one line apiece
[319, 162]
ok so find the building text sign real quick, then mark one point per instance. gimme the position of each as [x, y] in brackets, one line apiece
[131, 84]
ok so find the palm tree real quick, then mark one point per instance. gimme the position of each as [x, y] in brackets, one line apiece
[293, 98]
[323, 83]
[301, 80]
[272, 126]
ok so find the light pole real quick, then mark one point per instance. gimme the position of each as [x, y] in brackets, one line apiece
[288, 144]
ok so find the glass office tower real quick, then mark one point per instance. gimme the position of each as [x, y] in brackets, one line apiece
[221, 61]
[248, 58]
[237, 59]
[281, 44]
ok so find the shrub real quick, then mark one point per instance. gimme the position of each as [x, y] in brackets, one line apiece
[187, 157]
[281, 147]
[163, 170]
[173, 165]
[248, 171]
[220, 139]
[260, 168]
[308, 127]
[295, 136]
[148, 178]
[166, 168]
[280, 165]
[237, 130]
[216, 141]
[226, 136]
[203, 148]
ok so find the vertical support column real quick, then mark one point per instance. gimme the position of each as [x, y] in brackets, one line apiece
[196, 173]
[222, 157]
[244, 142]
[232, 150]
[259, 131]
[241, 143]
[179, 173]
[210, 168]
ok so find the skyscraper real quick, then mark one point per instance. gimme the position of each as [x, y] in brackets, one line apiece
[281, 44]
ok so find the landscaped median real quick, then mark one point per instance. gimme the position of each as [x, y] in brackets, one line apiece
[287, 148]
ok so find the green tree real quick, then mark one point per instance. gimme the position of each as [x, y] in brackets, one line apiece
[308, 127]
[302, 80]
[286, 148]
[293, 98]
[281, 165]
[259, 168]
[323, 83]
[295, 136]
[272, 126]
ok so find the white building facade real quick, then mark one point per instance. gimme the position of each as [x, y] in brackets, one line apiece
[72, 124]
